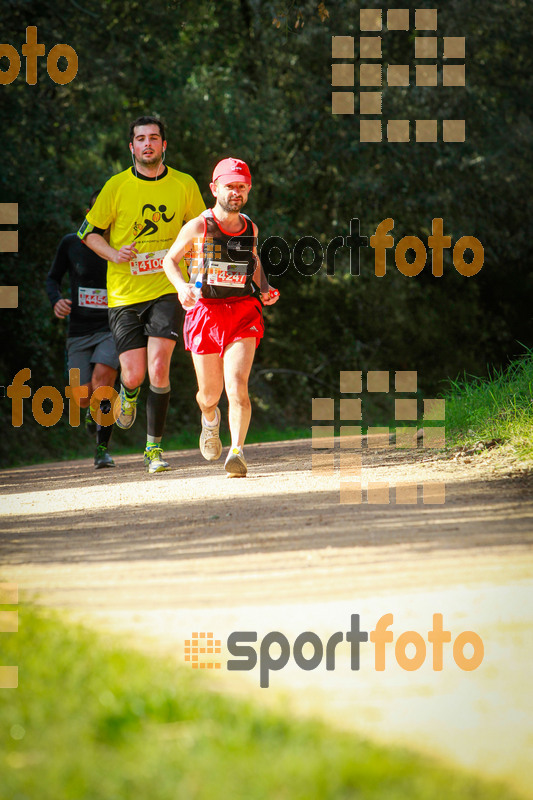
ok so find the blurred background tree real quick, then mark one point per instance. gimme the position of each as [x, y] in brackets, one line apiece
[253, 79]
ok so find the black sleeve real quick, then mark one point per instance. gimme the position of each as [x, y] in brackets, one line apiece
[56, 273]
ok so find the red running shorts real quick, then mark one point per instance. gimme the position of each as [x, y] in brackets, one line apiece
[212, 324]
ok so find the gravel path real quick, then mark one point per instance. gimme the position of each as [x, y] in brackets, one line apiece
[159, 557]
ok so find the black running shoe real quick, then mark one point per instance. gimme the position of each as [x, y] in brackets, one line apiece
[102, 458]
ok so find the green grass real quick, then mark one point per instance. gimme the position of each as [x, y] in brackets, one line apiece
[497, 407]
[91, 721]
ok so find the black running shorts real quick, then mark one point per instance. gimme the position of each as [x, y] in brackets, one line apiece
[132, 325]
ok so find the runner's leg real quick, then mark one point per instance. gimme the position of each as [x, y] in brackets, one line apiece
[83, 399]
[103, 375]
[210, 376]
[83, 402]
[79, 352]
[133, 370]
[238, 360]
[133, 367]
[159, 352]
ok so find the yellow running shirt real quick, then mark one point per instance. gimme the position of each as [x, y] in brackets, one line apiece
[149, 213]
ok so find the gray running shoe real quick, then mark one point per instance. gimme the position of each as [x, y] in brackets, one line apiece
[235, 465]
[210, 444]
[102, 457]
[153, 459]
[125, 409]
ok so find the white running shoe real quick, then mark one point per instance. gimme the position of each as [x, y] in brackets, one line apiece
[210, 444]
[235, 465]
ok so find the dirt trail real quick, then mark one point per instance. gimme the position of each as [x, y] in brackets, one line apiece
[161, 556]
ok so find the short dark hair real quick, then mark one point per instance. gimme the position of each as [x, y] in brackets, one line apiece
[147, 121]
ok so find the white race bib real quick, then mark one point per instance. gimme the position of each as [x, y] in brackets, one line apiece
[226, 273]
[92, 298]
[147, 263]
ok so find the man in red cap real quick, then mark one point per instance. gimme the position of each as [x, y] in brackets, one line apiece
[224, 321]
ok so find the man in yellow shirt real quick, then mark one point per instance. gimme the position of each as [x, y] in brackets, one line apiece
[144, 207]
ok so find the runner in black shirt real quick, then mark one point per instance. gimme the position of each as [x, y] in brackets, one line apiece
[90, 346]
[87, 311]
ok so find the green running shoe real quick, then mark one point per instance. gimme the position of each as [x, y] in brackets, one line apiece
[125, 409]
[153, 459]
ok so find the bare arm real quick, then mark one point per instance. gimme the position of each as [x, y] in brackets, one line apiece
[190, 232]
[97, 243]
[271, 296]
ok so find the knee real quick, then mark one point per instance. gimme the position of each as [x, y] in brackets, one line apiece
[237, 391]
[84, 401]
[208, 399]
[103, 375]
[133, 368]
[158, 371]
[132, 376]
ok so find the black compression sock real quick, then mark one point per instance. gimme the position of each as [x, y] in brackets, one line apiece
[103, 432]
[156, 410]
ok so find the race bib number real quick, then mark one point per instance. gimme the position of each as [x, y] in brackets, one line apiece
[147, 263]
[92, 298]
[224, 273]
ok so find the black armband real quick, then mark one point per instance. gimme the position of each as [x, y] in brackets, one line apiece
[87, 228]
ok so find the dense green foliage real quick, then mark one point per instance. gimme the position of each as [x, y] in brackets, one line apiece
[93, 721]
[254, 79]
[498, 407]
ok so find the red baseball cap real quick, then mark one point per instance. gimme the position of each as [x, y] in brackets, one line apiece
[231, 170]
